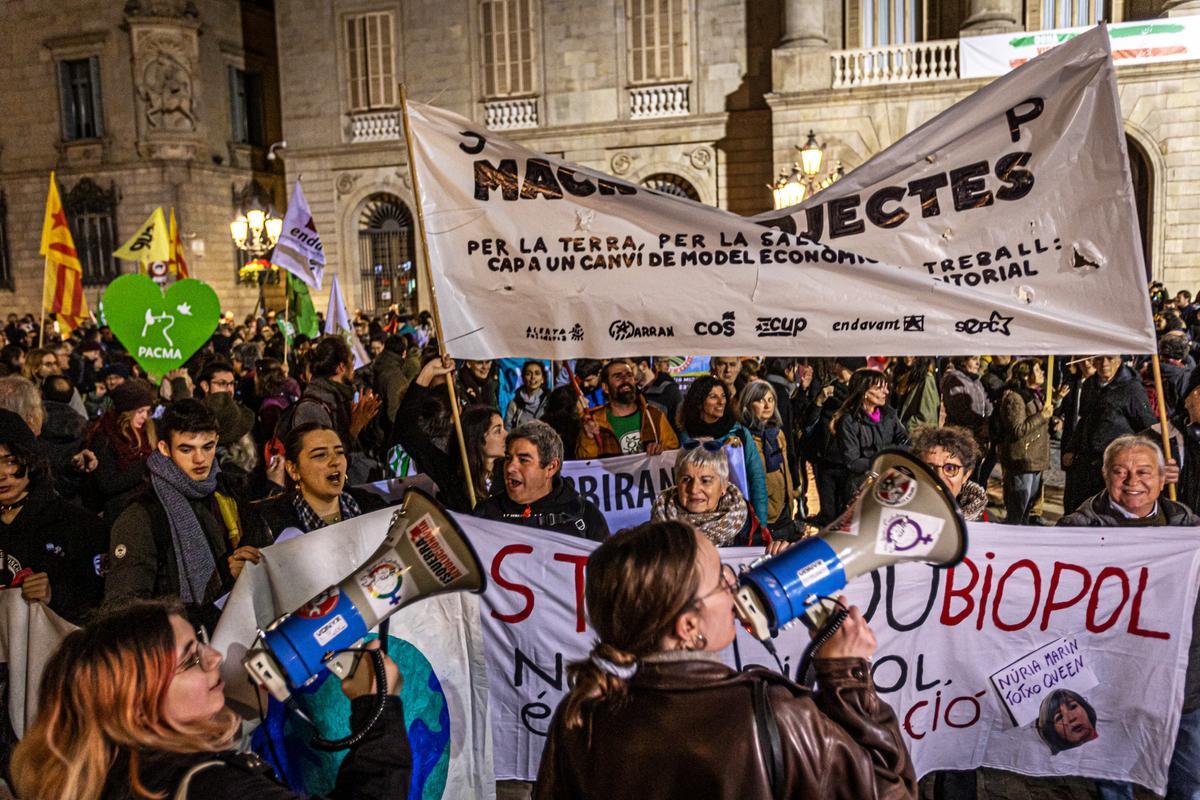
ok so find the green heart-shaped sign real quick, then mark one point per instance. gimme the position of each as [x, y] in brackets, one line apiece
[161, 331]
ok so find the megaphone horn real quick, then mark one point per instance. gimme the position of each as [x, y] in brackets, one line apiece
[903, 512]
[425, 553]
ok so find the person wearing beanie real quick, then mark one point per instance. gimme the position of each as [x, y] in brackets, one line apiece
[121, 441]
[188, 531]
[52, 548]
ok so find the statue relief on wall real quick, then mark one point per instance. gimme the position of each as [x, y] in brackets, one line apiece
[164, 83]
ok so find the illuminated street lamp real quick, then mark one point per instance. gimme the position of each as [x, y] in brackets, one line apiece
[256, 230]
[791, 189]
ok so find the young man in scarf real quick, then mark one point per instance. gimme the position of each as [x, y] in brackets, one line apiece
[188, 533]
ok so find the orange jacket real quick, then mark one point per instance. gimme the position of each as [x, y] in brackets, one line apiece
[655, 428]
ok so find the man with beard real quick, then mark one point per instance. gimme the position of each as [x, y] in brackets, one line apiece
[626, 423]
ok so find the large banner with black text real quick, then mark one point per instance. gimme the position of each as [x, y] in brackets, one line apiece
[992, 228]
[1057, 652]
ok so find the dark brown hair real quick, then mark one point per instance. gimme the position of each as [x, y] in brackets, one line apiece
[638, 583]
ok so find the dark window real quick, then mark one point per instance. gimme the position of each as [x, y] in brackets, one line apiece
[92, 215]
[246, 107]
[6, 277]
[386, 259]
[673, 185]
[79, 99]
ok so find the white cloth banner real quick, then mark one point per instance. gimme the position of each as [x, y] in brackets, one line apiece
[29, 635]
[1009, 215]
[624, 487]
[337, 323]
[1020, 193]
[1104, 613]
[1148, 41]
[443, 629]
[299, 248]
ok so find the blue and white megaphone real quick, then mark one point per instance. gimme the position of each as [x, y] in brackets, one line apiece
[903, 512]
[425, 553]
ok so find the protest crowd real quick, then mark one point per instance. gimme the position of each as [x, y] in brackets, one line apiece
[114, 488]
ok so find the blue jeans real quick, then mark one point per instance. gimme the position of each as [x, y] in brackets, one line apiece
[1114, 790]
[1021, 491]
[1183, 778]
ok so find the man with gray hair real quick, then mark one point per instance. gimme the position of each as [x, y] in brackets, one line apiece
[535, 495]
[1134, 476]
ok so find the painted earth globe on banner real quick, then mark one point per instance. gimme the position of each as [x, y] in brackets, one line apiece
[426, 715]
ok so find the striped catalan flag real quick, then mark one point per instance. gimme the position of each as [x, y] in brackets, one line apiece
[62, 291]
[178, 263]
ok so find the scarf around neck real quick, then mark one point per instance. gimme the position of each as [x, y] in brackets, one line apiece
[310, 520]
[193, 556]
[720, 526]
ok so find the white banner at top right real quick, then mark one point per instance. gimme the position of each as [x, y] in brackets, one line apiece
[1145, 42]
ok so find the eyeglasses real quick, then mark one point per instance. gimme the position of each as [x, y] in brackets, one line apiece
[711, 445]
[197, 657]
[949, 469]
[728, 582]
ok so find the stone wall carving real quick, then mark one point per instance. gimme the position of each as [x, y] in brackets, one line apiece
[166, 65]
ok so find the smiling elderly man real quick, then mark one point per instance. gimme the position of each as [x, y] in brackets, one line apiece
[1134, 476]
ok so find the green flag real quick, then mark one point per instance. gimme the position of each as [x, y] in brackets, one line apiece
[304, 314]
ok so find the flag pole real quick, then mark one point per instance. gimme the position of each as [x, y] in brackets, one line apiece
[1162, 415]
[42, 324]
[437, 318]
[287, 297]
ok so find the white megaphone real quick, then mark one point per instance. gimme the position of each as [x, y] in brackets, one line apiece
[903, 512]
[425, 553]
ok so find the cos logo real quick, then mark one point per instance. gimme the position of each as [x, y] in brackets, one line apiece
[722, 327]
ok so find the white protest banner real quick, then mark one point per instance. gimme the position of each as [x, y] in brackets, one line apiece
[624, 487]
[1149, 41]
[29, 634]
[1068, 600]
[1010, 213]
[437, 643]
[299, 248]
[1021, 194]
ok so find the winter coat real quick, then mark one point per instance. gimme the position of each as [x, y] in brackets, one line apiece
[327, 403]
[841, 741]
[922, 404]
[61, 539]
[562, 510]
[391, 382]
[663, 392]
[1106, 412]
[524, 408]
[378, 766]
[1185, 449]
[655, 430]
[1024, 434]
[858, 439]
[141, 555]
[1175, 380]
[1098, 512]
[278, 513]
[109, 487]
[780, 489]
[756, 475]
[61, 438]
[443, 467]
[967, 403]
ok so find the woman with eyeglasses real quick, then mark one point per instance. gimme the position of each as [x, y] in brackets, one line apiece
[705, 498]
[864, 425]
[708, 413]
[952, 453]
[654, 713]
[133, 706]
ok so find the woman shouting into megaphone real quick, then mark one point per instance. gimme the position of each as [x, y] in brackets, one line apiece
[132, 707]
[655, 714]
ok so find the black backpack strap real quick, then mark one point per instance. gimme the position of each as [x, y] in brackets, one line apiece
[768, 740]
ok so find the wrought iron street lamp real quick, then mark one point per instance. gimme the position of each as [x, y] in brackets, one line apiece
[256, 230]
[792, 188]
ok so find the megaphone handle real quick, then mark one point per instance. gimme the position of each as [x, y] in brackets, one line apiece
[831, 625]
[381, 693]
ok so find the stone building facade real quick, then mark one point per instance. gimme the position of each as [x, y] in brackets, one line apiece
[707, 98]
[135, 104]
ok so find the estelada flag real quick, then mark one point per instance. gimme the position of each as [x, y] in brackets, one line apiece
[178, 264]
[150, 243]
[62, 286]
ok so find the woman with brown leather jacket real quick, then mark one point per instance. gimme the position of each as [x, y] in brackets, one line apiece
[654, 714]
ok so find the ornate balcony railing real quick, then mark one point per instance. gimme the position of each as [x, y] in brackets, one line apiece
[376, 126]
[507, 115]
[896, 63]
[667, 100]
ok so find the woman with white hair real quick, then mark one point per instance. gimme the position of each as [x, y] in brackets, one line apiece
[705, 498]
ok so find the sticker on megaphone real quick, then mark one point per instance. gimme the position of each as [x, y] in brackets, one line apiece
[907, 533]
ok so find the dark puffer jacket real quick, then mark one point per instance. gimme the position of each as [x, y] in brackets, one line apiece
[1023, 442]
[1109, 411]
[842, 741]
[858, 439]
[562, 510]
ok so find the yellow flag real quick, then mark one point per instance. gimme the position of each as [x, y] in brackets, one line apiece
[149, 243]
[62, 287]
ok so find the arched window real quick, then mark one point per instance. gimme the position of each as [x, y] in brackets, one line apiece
[670, 184]
[386, 256]
[91, 213]
[1142, 175]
